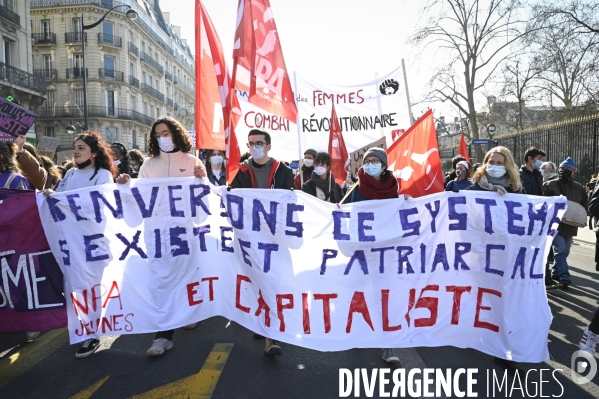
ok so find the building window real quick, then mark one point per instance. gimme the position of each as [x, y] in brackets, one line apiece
[77, 60]
[132, 69]
[143, 77]
[110, 102]
[112, 134]
[49, 132]
[79, 97]
[158, 113]
[45, 28]
[7, 53]
[47, 64]
[50, 98]
[109, 67]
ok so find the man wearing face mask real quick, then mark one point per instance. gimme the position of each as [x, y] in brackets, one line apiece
[322, 185]
[562, 242]
[307, 169]
[260, 170]
[532, 179]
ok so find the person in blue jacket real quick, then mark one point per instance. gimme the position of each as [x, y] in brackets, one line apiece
[462, 181]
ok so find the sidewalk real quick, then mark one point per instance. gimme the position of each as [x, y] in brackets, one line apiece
[586, 236]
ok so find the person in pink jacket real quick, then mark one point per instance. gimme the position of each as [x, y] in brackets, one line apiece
[168, 150]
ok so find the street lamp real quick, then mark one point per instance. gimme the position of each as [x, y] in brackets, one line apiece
[132, 15]
[71, 128]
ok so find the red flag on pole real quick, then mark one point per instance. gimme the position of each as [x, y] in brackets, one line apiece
[464, 149]
[414, 159]
[337, 150]
[218, 105]
[259, 66]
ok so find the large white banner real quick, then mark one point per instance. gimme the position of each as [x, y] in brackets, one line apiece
[366, 111]
[462, 269]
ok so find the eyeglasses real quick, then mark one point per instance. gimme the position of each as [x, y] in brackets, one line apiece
[372, 162]
[257, 144]
[321, 164]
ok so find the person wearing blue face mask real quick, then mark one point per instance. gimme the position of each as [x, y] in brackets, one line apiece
[215, 170]
[530, 174]
[499, 173]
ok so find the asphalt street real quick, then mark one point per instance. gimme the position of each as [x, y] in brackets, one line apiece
[221, 360]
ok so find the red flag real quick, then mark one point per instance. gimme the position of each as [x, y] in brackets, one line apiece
[258, 62]
[464, 149]
[218, 103]
[337, 150]
[414, 159]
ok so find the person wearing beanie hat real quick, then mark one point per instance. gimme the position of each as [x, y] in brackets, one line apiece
[462, 181]
[375, 182]
[562, 242]
[307, 169]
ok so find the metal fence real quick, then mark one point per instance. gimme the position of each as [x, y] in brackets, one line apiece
[576, 138]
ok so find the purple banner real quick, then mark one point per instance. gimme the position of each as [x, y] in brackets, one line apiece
[6, 137]
[14, 119]
[31, 282]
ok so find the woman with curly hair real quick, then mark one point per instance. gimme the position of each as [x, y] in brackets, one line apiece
[137, 159]
[54, 174]
[498, 173]
[168, 147]
[94, 166]
[10, 174]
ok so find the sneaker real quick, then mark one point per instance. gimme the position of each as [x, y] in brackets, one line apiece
[389, 356]
[88, 348]
[190, 326]
[272, 348]
[588, 341]
[32, 335]
[159, 346]
[510, 366]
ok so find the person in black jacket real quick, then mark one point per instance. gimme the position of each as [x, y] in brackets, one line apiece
[215, 167]
[322, 183]
[260, 170]
[121, 159]
[532, 179]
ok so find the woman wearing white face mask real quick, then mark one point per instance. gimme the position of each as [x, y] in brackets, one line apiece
[215, 167]
[499, 173]
[462, 181]
[307, 168]
[375, 180]
[322, 184]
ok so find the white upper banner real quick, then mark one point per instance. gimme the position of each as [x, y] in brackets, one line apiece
[462, 269]
[366, 112]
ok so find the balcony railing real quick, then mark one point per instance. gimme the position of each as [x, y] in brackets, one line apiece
[133, 49]
[22, 78]
[154, 35]
[57, 3]
[76, 73]
[169, 102]
[152, 91]
[134, 81]
[111, 74]
[184, 86]
[46, 73]
[74, 37]
[105, 38]
[95, 111]
[168, 76]
[145, 57]
[187, 65]
[44, 38]
[10, 15]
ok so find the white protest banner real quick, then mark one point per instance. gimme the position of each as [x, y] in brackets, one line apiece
[462, 269]
[47, 146]
[366, 112]
[355, 157]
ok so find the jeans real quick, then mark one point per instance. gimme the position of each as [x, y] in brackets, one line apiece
[561, 250]
[165, 334]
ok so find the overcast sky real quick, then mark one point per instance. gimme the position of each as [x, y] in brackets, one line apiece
[342, 42]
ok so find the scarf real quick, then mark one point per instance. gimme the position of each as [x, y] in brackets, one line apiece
[498, 185]
[372, 188]
[549, 176]
[324, 185]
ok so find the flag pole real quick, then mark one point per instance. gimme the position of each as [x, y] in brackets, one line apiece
[378, 101]
[198, 74]
[405, 80]
[297, 121]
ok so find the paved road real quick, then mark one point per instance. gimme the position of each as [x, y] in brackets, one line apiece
[221, 360]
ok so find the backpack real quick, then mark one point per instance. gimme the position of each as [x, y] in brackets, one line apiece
[594, 203]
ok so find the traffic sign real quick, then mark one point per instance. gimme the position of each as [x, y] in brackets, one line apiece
[481, 141]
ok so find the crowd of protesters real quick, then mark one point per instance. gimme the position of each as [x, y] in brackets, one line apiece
[96, 162]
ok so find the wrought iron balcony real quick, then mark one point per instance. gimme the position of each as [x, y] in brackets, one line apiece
[152, 91]
[112, 40]
[10, 15]
[133, 49]
[76, 73]
[133, 81]
[145, 57]
[46, 73]
[168, 76]
[154, 35]
[22, 78]
[56, 3]
[74, 37]
[184, 86]
[111, 74]
[94, 111]
[43, 38]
